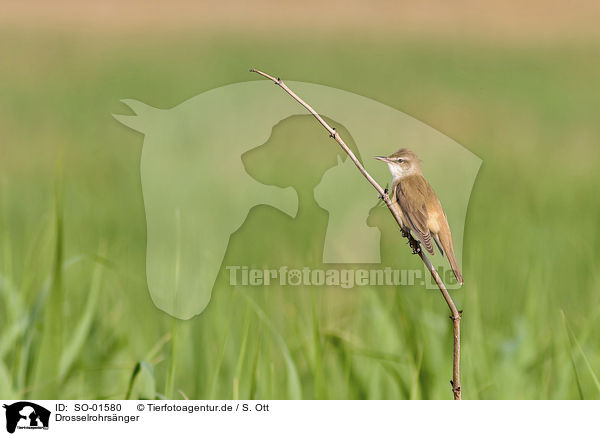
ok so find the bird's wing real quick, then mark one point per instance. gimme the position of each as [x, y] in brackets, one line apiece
[443, 235]
[394, 198]
[411, 194]
[438, 242]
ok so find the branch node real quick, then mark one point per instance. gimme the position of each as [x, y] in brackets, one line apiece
[332, 135]
[455, 389]
[456, 318]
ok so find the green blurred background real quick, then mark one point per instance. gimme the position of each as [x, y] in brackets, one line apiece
[515, 83]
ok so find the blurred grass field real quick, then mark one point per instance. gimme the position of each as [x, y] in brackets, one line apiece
[76, 319]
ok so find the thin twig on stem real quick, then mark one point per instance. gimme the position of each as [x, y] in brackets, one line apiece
[455, 314]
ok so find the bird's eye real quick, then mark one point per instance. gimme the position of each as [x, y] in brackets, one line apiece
[400, 160]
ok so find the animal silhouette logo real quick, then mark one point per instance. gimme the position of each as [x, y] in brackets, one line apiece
[26, 415]
[197, 192]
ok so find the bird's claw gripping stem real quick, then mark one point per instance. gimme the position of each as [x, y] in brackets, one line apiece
[414, 244]
[385, 192]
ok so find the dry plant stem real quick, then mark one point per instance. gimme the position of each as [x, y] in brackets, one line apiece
[455, 313]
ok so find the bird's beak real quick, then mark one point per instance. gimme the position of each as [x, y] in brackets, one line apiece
[382, 158]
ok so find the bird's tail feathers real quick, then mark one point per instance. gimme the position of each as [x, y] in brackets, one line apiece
[446, 243]
[455, 267]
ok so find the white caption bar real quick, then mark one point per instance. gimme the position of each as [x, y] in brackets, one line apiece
[298, 417]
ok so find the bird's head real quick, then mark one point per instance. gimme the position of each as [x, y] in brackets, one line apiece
[402, 163]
